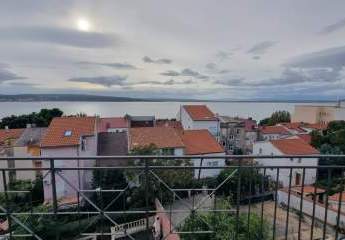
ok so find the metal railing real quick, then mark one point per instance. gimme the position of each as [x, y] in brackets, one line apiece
[295, 199]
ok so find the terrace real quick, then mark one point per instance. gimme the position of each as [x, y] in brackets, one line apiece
[255, 204]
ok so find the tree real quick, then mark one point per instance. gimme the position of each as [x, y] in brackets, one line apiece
[224, 226]
[276, 117]
[40, 119]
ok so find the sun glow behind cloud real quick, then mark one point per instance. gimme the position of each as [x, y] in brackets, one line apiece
[83, 24]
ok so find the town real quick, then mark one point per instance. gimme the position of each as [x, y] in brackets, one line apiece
[203, 143]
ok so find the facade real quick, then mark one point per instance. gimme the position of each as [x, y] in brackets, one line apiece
[140, 121]
[196, 117]
[113, 124]
[28, 145]
[112, 144]
[319, 114]
[287, 147]
[201, 142]
[69, 136]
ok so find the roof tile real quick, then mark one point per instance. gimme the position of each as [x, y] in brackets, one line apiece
[200, 113]
[294, 147]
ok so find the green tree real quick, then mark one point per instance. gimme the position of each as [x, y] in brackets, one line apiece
[276, 117]
[224, 226]
[41, 119]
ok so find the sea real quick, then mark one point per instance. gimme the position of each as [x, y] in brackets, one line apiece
[255, 110]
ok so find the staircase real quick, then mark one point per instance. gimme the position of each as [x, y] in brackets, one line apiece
[122, 230]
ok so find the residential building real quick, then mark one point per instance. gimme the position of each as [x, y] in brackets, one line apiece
[7, 139]
[140, 121]
[201, 142]
[28, 145]
[283, 147]
[112, 144]
[166, 139]
[273, 132]
[113, 124]
[169, 123]
[319, 114]
[195, 117]
[237, 134]
[69, 136]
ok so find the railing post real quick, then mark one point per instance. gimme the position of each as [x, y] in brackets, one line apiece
[8, 210]
[239, 168]
[147, 197]
[55, 205]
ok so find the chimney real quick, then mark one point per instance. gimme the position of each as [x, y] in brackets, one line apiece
[6, 127]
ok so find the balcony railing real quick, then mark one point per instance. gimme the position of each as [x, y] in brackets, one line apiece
[184, 197]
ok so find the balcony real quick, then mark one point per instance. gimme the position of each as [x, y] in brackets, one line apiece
[169, 197]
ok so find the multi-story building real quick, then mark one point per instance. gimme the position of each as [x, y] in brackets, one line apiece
[273, 132]
[287, 147]
[65, 137]
[319, 114]
[196, 117]
[232, 134]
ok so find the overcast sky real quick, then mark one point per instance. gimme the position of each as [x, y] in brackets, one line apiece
[220, 49]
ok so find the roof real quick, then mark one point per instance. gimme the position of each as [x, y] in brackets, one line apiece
[10, 134]
[31, 136]
[112, 143]
[250, 125]
[140, 118]
[316, 126]
[274, 130]
[112, 122]
[294, 126]
[335, 197]
[306, 137]
[79, 126]
[169, 123]
[307, 189]
[200, 113]
[200, 142]
[162, 137]
[294, 147]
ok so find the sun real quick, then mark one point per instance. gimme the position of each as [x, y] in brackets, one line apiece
[83, 25]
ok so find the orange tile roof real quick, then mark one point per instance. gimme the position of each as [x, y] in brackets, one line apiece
[162, 137]
[169, 123]
[274, 130]
[200, 142]
[200, 113]
[112, 122]
[294, 147]
[307, 189]
[79, 126]
[294, 126]
[305, 137]
[10, 134]
[316, 126]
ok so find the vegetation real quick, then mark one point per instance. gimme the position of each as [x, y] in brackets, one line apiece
[224, 226]
[40, 119]
[276, 117]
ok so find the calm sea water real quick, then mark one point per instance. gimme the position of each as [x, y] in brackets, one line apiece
[256, 110]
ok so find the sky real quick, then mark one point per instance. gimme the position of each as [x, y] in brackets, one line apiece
[224, 49]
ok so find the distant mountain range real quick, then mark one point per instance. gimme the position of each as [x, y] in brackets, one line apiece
[98, 98]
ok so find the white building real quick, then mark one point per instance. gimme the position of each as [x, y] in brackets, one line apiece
[287, 147]
[273, 132]
[69, 136]
[196, 117]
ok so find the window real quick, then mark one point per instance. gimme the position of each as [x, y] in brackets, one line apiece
[215, 164]
[168, 151]
[209, 164]
[83, 144]
[300, 160]
[68, 133]
[260, 151]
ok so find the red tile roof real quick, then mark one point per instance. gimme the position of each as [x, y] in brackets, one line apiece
[316, 126]
[10, 134]
[335, 197]
[200, 142]
[79, 126]
[306, 137]
[294, 126]
[112, 122]
[162, 137]
[294, 147]
[169, 123]
[200, 113]
[274, 130]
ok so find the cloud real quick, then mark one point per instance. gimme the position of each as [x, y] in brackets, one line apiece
[261, 47]
[124, 66]
[223, 55]
[6, 75]
[22, 84]
[211, 66]
[231, 82]
[106, 81]
[187, 72]
[333, 27]
[58, 35]
[169, 82]
[256, 57]
[157, 61]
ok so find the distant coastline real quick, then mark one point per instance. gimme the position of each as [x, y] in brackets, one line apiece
[98, 98]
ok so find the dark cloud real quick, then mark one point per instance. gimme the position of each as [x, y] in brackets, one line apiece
[261, 47]
[58, 35]
[223, 55]
[169, 82]
[211, 66]
[22, 84]
[157, 61]
[231, 82]
[107, 81]
[256, 57]
[6, 75]
[333, 27]
[187, 72]
[124, 66]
